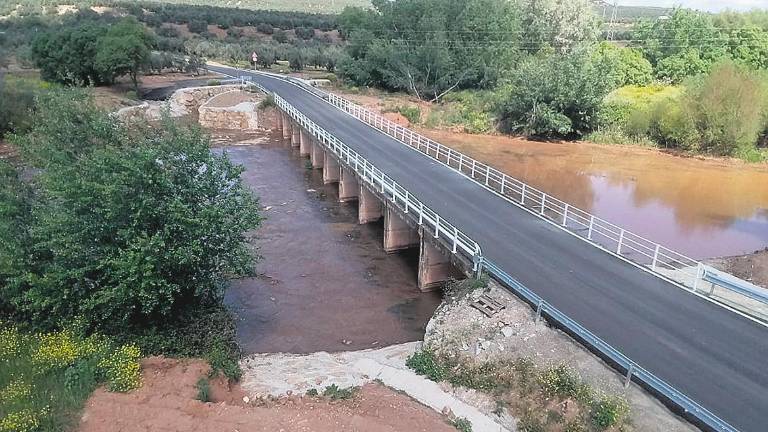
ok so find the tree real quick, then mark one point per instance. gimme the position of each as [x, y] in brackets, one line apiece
[124, 49]
[66, 54]
[625, 66]
[130, 225]
[555, 95]
[198, 26]
[431, 47]
[558, 24]
[280, 36]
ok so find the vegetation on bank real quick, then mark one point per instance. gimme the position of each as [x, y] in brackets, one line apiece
[127, 233]
[535, 396]
[46, 377]
[542, 70]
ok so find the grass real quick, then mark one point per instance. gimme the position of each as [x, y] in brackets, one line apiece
[203, 387]
[337, 393]
[462, 424]
[46, 378]
[528, 391]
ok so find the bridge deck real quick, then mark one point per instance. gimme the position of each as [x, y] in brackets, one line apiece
[713, 355]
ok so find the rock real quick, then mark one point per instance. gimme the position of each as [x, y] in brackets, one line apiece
[507, 331]
[246, 399]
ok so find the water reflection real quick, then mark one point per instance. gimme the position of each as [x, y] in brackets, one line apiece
[703, 208]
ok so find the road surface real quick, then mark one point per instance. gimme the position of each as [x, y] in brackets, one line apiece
[712, 355]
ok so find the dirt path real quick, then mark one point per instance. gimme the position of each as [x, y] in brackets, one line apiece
[166, 402]
[751, 267]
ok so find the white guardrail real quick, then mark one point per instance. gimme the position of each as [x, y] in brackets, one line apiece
[462, 243]
[657, 258]
[377, 179]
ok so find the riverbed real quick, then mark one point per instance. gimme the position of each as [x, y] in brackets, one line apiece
[324, 282]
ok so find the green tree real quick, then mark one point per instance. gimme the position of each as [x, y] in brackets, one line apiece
[124, 49]
[555, 95]
[66, 54]
[558, 24]
[131, 225]
[624, 66]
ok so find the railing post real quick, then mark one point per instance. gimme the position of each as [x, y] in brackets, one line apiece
[455, 238]
[474, 162]
[461, 160]
[407, 197]
[621, 240]
[655, 257]
[487, 174]
[503, 177]
[421, 213]
[591, 225]
[565, 215]
[628, 378]
[699, 268]
[522, 197]
[543, 202]
[437, 225]
[539, 307]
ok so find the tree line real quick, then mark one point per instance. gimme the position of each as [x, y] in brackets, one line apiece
[546, 71]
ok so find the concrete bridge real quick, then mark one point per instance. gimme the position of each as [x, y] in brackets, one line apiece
[694, 353]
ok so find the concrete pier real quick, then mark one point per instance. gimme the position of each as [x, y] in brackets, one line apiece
[304, 136]
[348, 186]
[398, 234]
[370, 208]
[286, 125]
[330, 168]
[305, 146]
[435, 267]
[295, 134]
[318, 155]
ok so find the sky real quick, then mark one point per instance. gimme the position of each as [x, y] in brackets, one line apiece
[707, 5]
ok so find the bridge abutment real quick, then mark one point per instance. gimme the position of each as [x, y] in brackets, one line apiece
[348, 186]
[370, 208]
[398, 235]
[331, 169]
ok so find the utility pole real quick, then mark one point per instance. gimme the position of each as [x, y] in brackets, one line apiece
[612, 22]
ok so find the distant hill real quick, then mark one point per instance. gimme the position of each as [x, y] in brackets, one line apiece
[312, 6]
[628, 13]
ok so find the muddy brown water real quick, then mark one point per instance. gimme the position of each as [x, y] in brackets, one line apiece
[702, 208]
[325, 282]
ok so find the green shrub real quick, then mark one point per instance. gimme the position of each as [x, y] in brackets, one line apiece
[203, 387]
[564, 382]
[336, 393]
[268, 102]
[462, 424]
[214, 82]
[412, 113]
[622, 104]
[609, 411]
[312, 392]
[224, 359]
[425, 363]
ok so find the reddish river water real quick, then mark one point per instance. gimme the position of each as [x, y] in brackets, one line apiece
[702, 208]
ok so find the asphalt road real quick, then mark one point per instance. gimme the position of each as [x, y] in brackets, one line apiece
[712, 355]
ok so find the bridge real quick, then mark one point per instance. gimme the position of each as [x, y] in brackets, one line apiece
[705, 358]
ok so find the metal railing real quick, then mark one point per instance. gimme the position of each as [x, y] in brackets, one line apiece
[377, 179]
[662, 261]
[407, 202]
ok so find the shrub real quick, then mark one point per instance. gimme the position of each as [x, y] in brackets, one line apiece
[121, 369]
[336, 393]
[425, 363]
[203, 387]
[555, 95]
[462, 424]
[312, 392]
[564, 382]
[622, 104]
[609, 411]
[197, 26]
[214, 82]
[223, 358]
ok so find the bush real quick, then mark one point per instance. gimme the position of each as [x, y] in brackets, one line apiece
[198, 26]
[555, 96]
[609, 411]
[214, 82]
[336, 393]
[622, 104]
[462, 424]
[134, 226]
[203, 389]
[425, 363]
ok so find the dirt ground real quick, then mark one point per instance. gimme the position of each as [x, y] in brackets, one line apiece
[751, 267]
[166, 402]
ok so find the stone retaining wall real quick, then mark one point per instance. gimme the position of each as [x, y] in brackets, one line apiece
[231, 110]
[181, 103]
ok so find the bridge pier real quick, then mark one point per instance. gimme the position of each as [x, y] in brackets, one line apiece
[331, 168]
[348, 186]
[317, 156]
[370, 209]
[280, 120]
[398, 234]
[435, 266]
[295, 134]
[305, 146]
[303, 137]
[286, 125]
